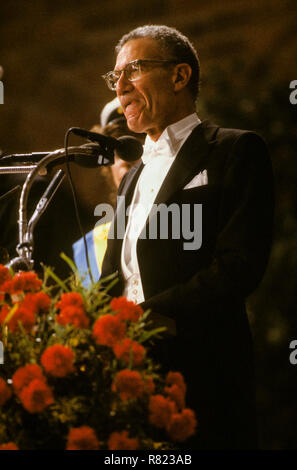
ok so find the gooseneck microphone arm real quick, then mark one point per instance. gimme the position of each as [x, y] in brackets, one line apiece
[128, 149]
[44, 202]
[24, 248]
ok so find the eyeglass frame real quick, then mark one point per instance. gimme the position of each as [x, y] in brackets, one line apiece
[137, 62]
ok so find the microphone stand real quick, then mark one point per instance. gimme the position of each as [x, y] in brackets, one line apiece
[24, 261]
[6, 170]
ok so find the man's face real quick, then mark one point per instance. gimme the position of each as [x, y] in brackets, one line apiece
[149, 103]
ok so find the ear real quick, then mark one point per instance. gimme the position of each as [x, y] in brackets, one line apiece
[181, 76]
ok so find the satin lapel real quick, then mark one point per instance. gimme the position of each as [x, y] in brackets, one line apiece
[130, 183]
[189, 161]
[119, 223]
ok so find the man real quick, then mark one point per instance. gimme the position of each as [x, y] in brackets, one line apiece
[201, 288]
[112, 123]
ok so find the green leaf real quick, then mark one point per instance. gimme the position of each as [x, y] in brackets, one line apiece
[148, 334]
[69, 262]
[11, 314]
[51, 273]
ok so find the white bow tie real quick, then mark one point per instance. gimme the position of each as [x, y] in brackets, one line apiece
[159, 149]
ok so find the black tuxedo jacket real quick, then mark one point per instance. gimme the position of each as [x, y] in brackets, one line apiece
[204, 290]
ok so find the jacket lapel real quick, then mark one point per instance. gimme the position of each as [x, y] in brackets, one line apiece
[189, 161]
[130, 182]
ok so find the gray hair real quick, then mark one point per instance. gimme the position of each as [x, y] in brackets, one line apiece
[173, 42]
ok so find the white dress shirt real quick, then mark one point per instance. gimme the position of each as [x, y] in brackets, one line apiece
[157, 158]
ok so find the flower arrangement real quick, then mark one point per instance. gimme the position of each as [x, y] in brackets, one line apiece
[77, 372]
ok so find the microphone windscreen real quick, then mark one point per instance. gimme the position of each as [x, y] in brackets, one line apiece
[129, 148]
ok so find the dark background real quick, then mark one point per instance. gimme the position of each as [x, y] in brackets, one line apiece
[53, 53]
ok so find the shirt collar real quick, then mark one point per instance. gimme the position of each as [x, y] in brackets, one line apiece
[169, 141]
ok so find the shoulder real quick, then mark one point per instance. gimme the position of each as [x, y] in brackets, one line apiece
[235, 142]
[229, 135]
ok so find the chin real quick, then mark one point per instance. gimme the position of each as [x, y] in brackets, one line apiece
[135, 126]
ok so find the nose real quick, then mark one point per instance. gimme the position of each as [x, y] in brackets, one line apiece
[123, 85]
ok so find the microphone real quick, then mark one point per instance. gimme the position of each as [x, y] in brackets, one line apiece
[128, 148]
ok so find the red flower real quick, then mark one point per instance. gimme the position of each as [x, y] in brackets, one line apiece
[58, 360]
[71, 298]
[127, 350]
[5, 392]
[149, 386]
[3, 313]
[24, 281]
[9, 446]
[36, 396]
[126, 309]
[83, 438]
[72, 310]
[73, 315]
[109, 330]
[182, 425]
[36, 302]
[161, 410]
[177, 395]
[128, 384]
[4, 275]
[25, 375]
[23, 315]
[176, 378]
[121, 441]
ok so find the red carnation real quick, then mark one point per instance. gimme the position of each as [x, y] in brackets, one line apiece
[126, 309]
[109, 330]
[83, 438]
[25, 375]
[121, 441]
[73, 315]
[177, 395]
[37, 302]
[182, 425]
[128, 350]
[161, 410]
[3, 313]
[70, 298]
[176, 378]
[36, 396]
[4, 275]
[58, 360]
[25, 317]
[24, 281]
[9, 446]
[149, 386]
[5, 392]
[128, 384]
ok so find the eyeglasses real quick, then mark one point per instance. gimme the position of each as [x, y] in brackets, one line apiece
[132, 71]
